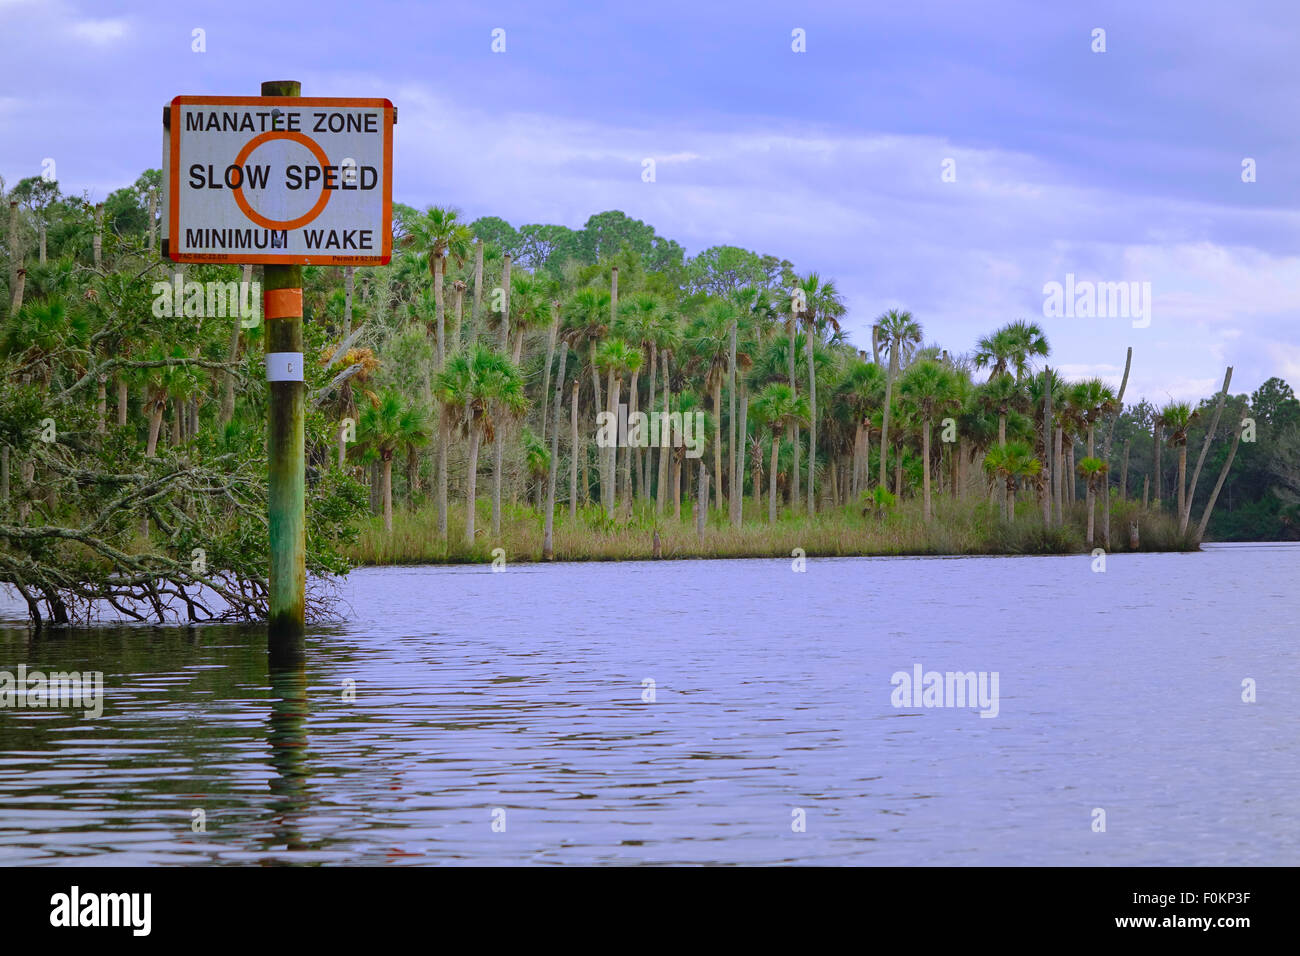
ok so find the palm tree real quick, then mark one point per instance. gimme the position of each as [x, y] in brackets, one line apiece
[930, 390]
[617, 358]
[1176, 418]
[476, 389]
[709, 340]
[861, 393]
[385, 427]
[440, 234]
[1093, 399]
[1093, 471]
[822, 305]
[1011, 348]
[636, 323]
[899, 332]
[1010, 462]
[778, 407]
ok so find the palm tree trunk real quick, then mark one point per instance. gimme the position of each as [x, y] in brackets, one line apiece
[733, 496]
[498, 466]
[626, 453]
[1058, 474]
[925, 467]
[794, 427]
[386, 490]
[665, 448]
[629, 452]
[738, 509]
[478, 292]
[677, 467]
[1157, 447]
[471, 482]
[548, 542]
[702, 501]
[573, 443]
[717, 442]
[412, 475]
[884, 421]
[155, 425]
[101, 403]
[648, 460]
[546, 375]
[460, 315]
[812, 420]
[607, 454]
[444, 445]
[1182, 477]
[1092, 517]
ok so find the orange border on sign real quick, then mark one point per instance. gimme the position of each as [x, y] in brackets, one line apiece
[386, 250]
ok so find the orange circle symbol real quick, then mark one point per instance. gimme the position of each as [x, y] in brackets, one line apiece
[257, 217]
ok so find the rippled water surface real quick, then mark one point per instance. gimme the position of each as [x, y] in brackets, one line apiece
[523, 691]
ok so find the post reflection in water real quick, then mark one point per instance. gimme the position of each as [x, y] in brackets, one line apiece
[286, 739]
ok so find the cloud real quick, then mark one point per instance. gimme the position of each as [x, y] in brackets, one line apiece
[99, 32]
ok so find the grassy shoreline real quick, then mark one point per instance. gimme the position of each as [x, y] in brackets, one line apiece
[959, 528]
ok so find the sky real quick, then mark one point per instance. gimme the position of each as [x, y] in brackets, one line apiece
[951, 158]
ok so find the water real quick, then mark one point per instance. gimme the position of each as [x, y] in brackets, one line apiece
[522, 691]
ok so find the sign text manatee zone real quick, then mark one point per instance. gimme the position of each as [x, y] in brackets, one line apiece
[279, 179]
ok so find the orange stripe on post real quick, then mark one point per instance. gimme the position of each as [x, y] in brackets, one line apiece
[282, 303]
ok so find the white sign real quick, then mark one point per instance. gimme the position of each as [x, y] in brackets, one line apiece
[278, 180]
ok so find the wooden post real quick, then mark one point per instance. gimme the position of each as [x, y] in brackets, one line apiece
[286, 485]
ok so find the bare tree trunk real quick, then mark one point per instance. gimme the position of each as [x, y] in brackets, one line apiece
[1105, 451]
[1123, 473]
[40, 257]
[123, 397]
[1186, 514]
[1218, 485]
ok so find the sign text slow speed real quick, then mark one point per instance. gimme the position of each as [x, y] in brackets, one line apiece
[279, 179]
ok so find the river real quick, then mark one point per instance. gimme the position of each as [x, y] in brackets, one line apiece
[467, 716]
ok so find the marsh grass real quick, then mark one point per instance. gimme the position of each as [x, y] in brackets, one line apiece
[966, 527]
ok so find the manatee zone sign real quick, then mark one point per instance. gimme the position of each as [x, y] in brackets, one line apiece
[288, 180]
